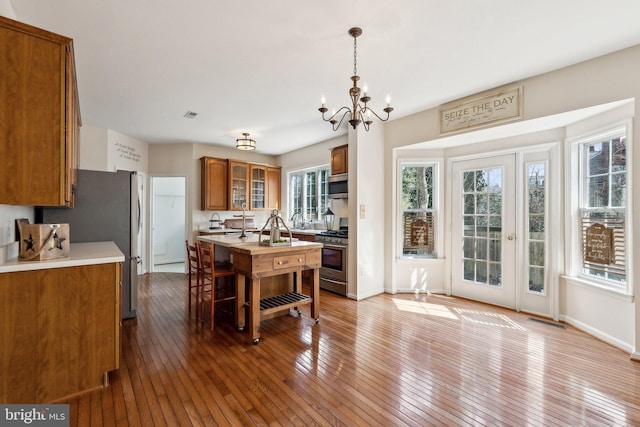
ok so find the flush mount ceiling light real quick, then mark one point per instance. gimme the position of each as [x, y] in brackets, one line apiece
[245, 143]
[360, 111]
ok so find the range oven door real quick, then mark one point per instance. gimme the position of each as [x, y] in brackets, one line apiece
[334, 262]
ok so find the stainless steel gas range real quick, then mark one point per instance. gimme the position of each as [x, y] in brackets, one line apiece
[333, 270]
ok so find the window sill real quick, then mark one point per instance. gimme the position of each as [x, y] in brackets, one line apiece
[593, 285]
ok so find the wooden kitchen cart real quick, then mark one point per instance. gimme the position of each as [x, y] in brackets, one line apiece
[253, 263]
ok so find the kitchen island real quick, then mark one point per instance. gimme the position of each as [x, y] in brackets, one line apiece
[253, 262]
[59, 324]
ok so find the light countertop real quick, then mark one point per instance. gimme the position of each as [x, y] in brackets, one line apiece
[251, 244]
[79, 254]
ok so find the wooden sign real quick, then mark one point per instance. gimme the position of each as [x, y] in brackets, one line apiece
[419, 233]
[482, 110]
[598, 243]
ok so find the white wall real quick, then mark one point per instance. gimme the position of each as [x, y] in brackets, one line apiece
[366, 219]
[93, 148]
[6, 9]
[600, 81]
[106, 150]
[9, 247]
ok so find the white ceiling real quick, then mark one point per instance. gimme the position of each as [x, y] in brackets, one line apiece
[261, 66]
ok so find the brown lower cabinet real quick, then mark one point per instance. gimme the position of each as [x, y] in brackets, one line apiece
[59, 331]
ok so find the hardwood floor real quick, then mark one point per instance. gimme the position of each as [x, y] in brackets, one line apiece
[388, 360]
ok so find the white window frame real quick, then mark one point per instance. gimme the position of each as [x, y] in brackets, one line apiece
[435, 210]
[575, 195]
[303, 172]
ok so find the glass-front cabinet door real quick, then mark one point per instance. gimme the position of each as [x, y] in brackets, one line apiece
[238, 185]
[258, 178]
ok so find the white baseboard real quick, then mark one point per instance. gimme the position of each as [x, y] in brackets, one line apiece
[626, 347]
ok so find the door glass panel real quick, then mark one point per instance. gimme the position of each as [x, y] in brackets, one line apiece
[482, 230]
[536, 186]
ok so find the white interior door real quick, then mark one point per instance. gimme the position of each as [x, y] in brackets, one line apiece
[483, 211]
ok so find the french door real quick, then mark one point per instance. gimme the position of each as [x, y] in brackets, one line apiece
[501, 247]
[483, 211]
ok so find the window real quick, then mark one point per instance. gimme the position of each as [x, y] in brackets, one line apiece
[418, 213]
[535, 211]
[603, 211]
[308, 192]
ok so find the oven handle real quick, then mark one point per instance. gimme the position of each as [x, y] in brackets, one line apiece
[337, 282]
[334, 246]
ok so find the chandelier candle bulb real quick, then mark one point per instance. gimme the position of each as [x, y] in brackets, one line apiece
[388, 100]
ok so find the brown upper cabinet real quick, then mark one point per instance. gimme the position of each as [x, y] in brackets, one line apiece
[214, 184]
[340, 160]
[265, 187]
[227, 184]
[273, 188]
[238, 185]
[40, 116]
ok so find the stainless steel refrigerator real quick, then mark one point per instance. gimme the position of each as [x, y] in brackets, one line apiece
[106, 208]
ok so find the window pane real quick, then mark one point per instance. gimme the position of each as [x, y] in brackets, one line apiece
[536, 227]
[469, 204]
[495, 203]
[536, 279]
[495, 274]
[618, 155]
[468, 270]
[481, 249]
[495, 250]
[598, 191]
[482, 180]
[481, 203]
[468, 247]
[618, 190]
[481, 272]
[468, 182]
[417, 187]
[536, 216]
[481, 226]
[598, 158]
[536, 253]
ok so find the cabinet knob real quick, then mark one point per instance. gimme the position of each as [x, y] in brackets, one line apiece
[299, 259]
[280, 262]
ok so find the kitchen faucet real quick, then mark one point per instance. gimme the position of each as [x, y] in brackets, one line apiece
[301, 222]
[212, 222]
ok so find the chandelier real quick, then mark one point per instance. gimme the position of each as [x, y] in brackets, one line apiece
[359, 111]
[245, 143]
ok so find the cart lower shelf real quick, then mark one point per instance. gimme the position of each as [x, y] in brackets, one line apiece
[283, 301]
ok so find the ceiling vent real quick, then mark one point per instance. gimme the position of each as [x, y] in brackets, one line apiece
[190, 115]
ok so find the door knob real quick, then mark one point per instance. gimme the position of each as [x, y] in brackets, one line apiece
[510, 237]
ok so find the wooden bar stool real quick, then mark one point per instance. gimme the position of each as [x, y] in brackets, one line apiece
[193, 284]
[212, 289]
